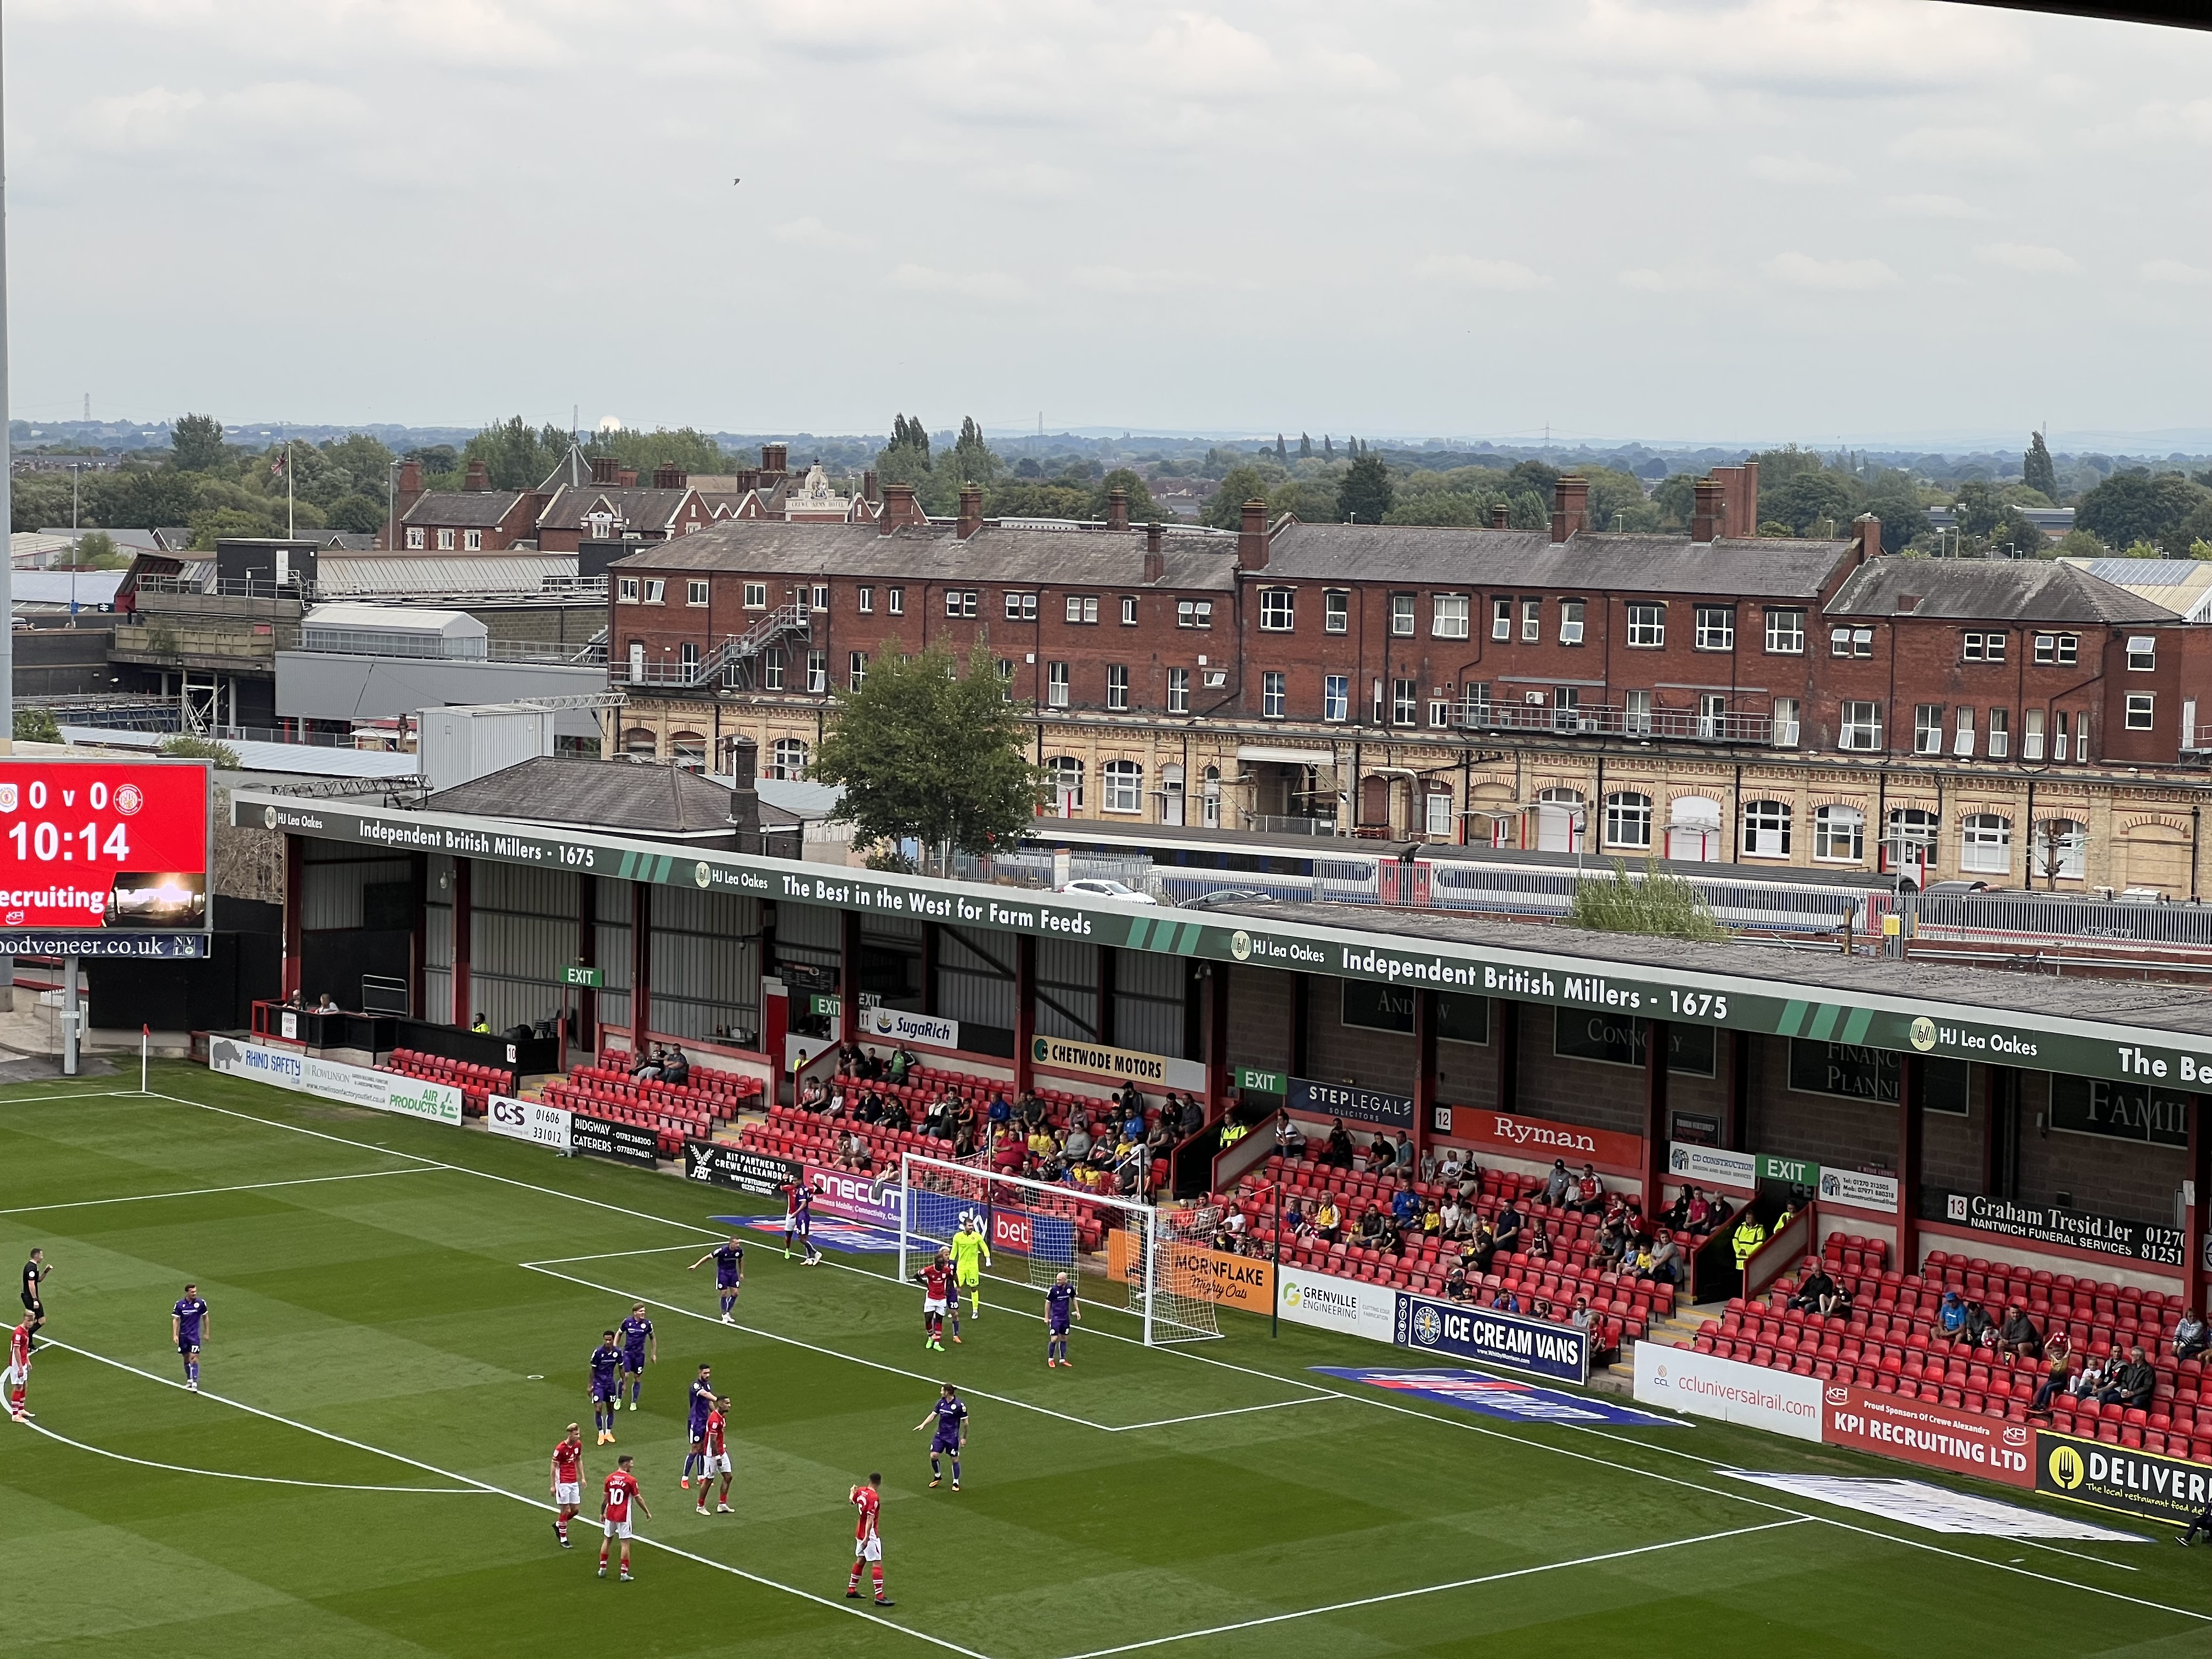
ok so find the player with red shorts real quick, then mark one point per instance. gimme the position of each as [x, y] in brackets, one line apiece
[18, 1375]
[938, 1290]
[867, 1543]
[568, 1482]
[622, 1490]
[718, 1455]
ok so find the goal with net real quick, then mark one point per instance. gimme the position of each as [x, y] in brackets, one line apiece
[1146, 1266]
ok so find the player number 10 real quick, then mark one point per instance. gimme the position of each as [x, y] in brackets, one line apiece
[46, 842]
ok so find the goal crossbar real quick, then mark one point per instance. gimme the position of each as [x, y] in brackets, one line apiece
[1055, 1228]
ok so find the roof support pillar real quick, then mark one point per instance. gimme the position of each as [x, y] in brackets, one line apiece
[1425, 1069]
[641, 966]
[463, 926]
[295, 886]
[1025, 979]
[1910, 1075]
[2197, 1196]
[1658, 1039]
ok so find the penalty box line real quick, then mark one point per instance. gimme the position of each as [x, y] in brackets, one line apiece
[547, 1265]
[490, 1490]
[207, 1192]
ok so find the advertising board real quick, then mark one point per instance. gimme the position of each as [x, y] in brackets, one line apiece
[1350, 1306]
[850, 1195]
[529, 1120]
[1934, 1437]
[1712, 1166]
[2079, 1229]
[1489, 1338]
[1706, 1385]
[1046, 1238]
[330, 1079]
[2123, 1478]
[1343, 1100]
[103, 846]
[1193, 1270]
[1122, 1064]
[925, 1030]
[1540, 1138]
[624, 1142]
[718, 1165]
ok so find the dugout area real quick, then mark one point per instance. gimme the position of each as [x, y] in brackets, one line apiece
[400, 1305]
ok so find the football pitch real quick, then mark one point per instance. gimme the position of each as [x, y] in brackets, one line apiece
[400, 1319]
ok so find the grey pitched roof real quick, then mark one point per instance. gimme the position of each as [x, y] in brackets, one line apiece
[1062, 558]
[1598, 560]
[573, 468]
[471, 510]
[1991, 590]
[619, 796]
[640, 507]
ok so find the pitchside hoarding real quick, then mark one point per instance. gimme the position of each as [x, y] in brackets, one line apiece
[1705, 1385]
[721, 1165]
[329, 1079]
[533, 1121]
[1490, 1338]
[103, 846]
[603, 1138]
[2123, 1478]
[1352, 1307]
[1934, 1437]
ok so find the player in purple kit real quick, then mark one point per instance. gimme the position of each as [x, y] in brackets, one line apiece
[729, 1261]
[606, 1386]
[702, 1407]
[1059, 1309]
[188, 1323]
[799, 1223]
[950, 1417]
[638, 1347]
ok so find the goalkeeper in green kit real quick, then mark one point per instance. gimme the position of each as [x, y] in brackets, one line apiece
[971, 1254]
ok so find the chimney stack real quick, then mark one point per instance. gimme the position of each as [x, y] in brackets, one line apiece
[1705, 518]
[868, 487]
[1569, 506]
[479, 477]
[670, 477]
[1156, 562]
[776, 458]
[407, 492]
[971, 510]
[1117, 509]
[1252, 537]
[1501, 516]
[606, 469]
[899, 507]
[627, 477]
[748, 478]
[1748, 492]
[1867, 529]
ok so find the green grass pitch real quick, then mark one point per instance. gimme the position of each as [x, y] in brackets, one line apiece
[376, 1337]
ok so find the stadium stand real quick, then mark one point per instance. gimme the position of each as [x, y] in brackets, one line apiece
[1890, 1342]
[477, 1084]
[674, 1111]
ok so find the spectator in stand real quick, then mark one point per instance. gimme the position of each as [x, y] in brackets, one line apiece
[1481, 1249]
[1161, 1140]
[1558, 1186]
[1394, 1236]
[1838, 1306]
[1329, 1221]
[854, 1153]
[1980, 1329]
[963, 1127]
[1289, 1139]
[871, 1109]
[1001, 1113]
[1381, 1157]
[648, 1069]
[1539, 1243]
[1453, 1217]
[1750, 1234]
[1338, 1150]
[1405, 1203]
[2090, 1380]
[1432, 1220]
[1450, 1166]
[894, 1114]
[2058, 1373]
[1402, 1157]
[813, 1094]
[2134, 1385]
[1614, 1237]
[1370, 1226]
[1131, 1170]
[938, 1119]
[1510, 1223]
[2190, 1339]
[1297, 1223]
[1505, 1301]
[1661, 1261]
[1679, 1211]
[902, 1063]
[2018, 1338]
[1587, 1320]
[1816, 1287]
[1704, 1214]
[1007, 1150]
[1470, 1184]
[1951, 1316]
[1590, 1192]
[1132, 1100]
[1043, 1148]
[1191, 1118]
[1455, 1285]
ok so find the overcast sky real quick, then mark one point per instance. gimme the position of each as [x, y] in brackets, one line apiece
[1808, 219]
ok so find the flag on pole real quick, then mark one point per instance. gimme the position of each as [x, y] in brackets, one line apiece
[277, 467]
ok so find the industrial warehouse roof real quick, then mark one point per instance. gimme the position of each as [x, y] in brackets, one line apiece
[402, 576]
[621, 796]
[2182, 584]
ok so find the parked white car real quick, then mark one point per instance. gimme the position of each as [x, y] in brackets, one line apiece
[1100, 887]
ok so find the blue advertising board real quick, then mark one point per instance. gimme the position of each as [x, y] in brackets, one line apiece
[1534, 1346]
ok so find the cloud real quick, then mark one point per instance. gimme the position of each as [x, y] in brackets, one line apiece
[810, 232]
[2026, 256]
[968, 284]
[2173, 271]
[1465, 271]
[1963, 146]
[1119, 279]
[1798, 170]
[1835, 275]
[1674, 279]
[1489, 113]
[1932, 207]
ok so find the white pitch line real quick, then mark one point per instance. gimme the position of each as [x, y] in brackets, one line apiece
[204, 1192]
[1233, 1411]
[811, 1347]
[616, 1256]
[1436, 1589]
[1248, 1371]
[535, 1503]
[258, 1479]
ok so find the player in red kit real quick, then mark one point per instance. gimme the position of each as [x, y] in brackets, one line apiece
[568, 1482]
[622, 1490]
[18, 1376]
[718, 1455]
[867, 1543]
[937, 1289]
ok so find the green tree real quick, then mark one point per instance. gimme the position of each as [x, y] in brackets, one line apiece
[686, 449]
[1225, 508]
[1615, 498]
[1777, 467]
[1141, 509]
[2200, 550]
[196, 444]
[1527, 510]
[366, 459]
[361, 515]
[2136, 506]
[141, 498]
[2035, 470]
[2015, 530]
[1328, 449]
[1676, 498]
[1468, 509]
[1976, 510]
[36, 724]
[38, 500]
[1658, 903]
[1811, 503]
[1282, 453]
[1365, 495]
[971, 457]
[1305, 447]
[186, 746]
[96, 551]
[1027, 498]
[516, 457]
[2078, 544]
[926, 753]
[212, 524]
[1894, 501]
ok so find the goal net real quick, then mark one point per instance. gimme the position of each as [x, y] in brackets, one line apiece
[1123, 1252]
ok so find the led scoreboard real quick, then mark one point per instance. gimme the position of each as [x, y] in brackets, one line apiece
[103, 857]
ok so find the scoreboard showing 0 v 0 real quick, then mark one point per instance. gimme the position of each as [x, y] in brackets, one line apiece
[95, 846]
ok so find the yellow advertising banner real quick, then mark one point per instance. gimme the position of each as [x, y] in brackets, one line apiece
[1193, 1270]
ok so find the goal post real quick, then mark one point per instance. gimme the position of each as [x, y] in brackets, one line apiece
[1054, 1228]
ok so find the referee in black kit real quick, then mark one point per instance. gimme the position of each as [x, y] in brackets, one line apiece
[34, 1273]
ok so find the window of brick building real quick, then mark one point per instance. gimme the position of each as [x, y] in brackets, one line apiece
[1859, 726]
[856, 670]
[1178, 690]
[1647, 626]
[1839, 834]
[1401, 615]
[772, 669]
[1336, 611]
[1985, 844]
[1117, 686]
[1716, 628]
[694, 592]
[1021, 607]
[445, 541]
[1449, 618]
[1532, 621]
[1125, 786]
[1999, 733]
[1405, 701]
[1129, 612]
[864, 598]
[1501, 619]
[1336, 697]
[962, 602]
[755, 596]
[1628, 820]
[1928, 728]
[1056, 684]
[1277, 612]
[2139, 711]
[895, 599]
[1766, 829]
[1785, 633]
[1571, 622]
[1272, 697]
[415, 537]
[1194, 613]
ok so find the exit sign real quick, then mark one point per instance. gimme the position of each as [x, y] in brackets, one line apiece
[591, 979]
[1259, 1082]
